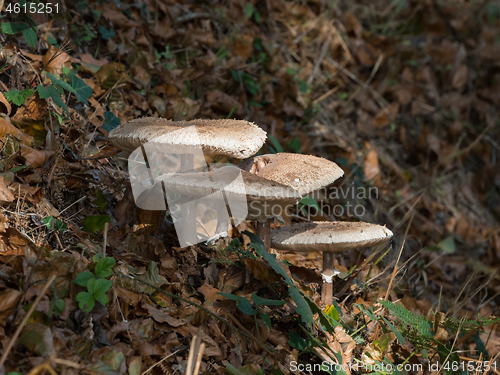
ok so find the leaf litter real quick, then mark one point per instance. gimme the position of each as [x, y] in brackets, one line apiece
[403, 98]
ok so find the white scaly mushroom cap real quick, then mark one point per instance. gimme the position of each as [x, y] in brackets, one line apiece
[265, 198]
[305, 173]
[328, 236]
[235, 138]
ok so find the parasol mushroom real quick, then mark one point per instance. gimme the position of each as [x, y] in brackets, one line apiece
[305, 173]
[252, 194]
[155, 141]
[328, 237]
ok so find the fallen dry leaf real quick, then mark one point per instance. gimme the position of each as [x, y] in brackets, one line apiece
[4, 105]
[35, 158]
[386, 115]
[5, 194]
[7, 128]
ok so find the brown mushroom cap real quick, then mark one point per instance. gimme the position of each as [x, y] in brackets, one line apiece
[235, 138]
[305, 173]
[265, 198]
[328, 236]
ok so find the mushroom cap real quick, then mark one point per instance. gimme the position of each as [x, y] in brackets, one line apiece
[236, 138]
[328, 236]
[265, 198]
[305, 173]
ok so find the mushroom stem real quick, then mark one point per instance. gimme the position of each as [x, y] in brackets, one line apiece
[188, 212]
[327, 290]
[264, 233]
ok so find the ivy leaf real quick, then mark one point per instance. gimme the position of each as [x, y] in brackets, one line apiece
[83, 278]
[243, 305]
[49, 222]
[18, 97]
[111, 121]
[103, 268]
[106, 34]
[82, 91]
[86, 301]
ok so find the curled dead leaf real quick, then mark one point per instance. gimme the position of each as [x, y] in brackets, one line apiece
[4, 105]
[5, 194]
[55, 59]
[7, 128]
[35, 158]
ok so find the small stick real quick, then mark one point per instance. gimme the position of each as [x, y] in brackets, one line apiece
[199, 358]
[25, 319]
[106, 225]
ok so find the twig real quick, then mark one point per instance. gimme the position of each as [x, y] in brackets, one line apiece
[157, 363]
[320, 59]
[193, 16]
[106, 225]
[25, 319]
[193, 350]
[199, 358]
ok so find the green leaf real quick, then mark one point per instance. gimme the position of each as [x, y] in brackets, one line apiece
[30, 36]
[54, 94]
[243, 304]
[101, 298]
[57, 306]
[60, 84]
[95, 223]
[60, 225]
[303, 308]
[49, 222]
[275, 143]
[396, 332]
[43, 93]
[265, 317]
[10, 28]
[324, 320]
[248, 10]
[331, 312]
[82, 91]
[83, 278]
[259, 301]
[111, 121]
[103, 268]
[295, 144]
[18, 97]
[86, 301]
[106, 34]
[99, 286]
[100, 201]
[298, 342]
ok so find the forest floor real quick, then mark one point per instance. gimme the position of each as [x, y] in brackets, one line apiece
[403, 95]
